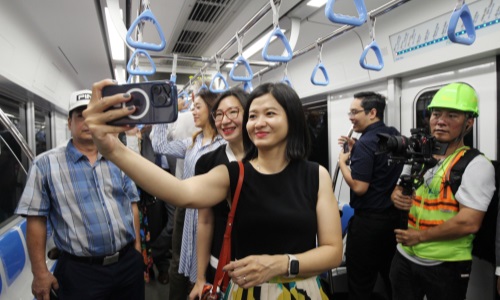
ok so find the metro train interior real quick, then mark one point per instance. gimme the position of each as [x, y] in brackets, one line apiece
[403, 49]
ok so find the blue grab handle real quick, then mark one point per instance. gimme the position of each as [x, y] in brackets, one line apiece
[203, 87]
[247, 86]
[376, 49]
[146, 15]
[463, 13]
[139, 71]
[321, 67]
[185, 95]
[287, 81]
[277, 58]
[243, 61]
[212, 88]
[343, 19]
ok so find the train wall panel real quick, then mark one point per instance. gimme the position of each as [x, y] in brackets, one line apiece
[62, 133]
[26, 61]
[346, 50]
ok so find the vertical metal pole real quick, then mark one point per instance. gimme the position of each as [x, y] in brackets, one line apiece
[30, 125]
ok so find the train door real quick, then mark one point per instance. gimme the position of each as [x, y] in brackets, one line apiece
[417, 92]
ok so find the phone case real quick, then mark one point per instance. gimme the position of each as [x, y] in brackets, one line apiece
[155, 102]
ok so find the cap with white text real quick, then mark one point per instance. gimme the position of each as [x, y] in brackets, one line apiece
[79, 99]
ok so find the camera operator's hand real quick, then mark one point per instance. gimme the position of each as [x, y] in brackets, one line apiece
[408, 237]
[401, 201]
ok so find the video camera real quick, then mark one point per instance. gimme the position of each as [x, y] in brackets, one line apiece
[418, 150]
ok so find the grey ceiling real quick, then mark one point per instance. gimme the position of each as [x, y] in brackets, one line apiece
[75, 30]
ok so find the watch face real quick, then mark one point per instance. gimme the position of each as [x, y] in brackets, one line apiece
[294, 267]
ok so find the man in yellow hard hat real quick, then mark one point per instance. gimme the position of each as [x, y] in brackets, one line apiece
[433, 256]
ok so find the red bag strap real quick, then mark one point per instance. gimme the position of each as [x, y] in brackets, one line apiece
[221, 277]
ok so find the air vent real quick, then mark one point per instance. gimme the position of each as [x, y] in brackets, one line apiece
[206, 11]
[204, 23]
[187, 41]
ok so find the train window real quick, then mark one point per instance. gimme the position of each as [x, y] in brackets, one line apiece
[422, 115]
[14, 163]
[13, 171]
[42, 130]
[16, 113]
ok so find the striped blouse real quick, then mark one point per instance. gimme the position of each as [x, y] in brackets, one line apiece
[190, 152]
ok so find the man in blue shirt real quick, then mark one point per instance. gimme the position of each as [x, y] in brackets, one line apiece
[371, 242]
[90, 208]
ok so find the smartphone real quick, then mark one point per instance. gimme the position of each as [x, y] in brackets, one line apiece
[345, 146]
[155, 102]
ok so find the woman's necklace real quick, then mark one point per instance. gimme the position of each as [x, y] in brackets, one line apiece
[257, 164]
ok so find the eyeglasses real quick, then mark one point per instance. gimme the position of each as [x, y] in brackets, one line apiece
[354, 112]
[231, 113]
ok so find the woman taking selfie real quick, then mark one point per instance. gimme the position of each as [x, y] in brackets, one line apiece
[280, 214]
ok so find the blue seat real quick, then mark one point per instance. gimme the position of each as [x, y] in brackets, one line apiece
[23, 228]
[12, 254]
[347, 213]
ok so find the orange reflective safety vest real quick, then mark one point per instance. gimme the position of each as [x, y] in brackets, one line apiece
[433, 205]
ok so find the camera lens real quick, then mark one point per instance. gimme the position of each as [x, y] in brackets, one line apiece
[156, 89]
[161, 100]
[167, 89]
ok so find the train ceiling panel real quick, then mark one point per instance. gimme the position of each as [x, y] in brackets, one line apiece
[76, 30]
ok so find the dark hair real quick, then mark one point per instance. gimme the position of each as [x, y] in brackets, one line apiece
[370, 100]
[237, 92]
[81, 108]
[209, 98]
[298, 141]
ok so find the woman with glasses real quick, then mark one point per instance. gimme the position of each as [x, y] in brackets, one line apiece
[185, 221]
[228, 116]
[286, 229]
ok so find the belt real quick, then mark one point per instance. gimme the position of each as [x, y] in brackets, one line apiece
[101, 260]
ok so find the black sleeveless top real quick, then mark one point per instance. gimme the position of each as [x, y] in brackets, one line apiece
[276, 213]
[204, 164]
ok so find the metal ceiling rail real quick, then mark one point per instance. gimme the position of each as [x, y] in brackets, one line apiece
[346, 28]
[254, 20]
[209, 59]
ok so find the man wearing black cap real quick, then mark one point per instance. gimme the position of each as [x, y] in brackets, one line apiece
[90, 207]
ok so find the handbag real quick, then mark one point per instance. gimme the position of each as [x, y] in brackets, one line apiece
[221, 280]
